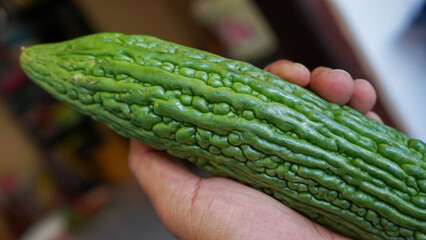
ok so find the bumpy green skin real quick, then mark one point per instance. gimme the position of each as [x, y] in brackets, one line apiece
[350, 173]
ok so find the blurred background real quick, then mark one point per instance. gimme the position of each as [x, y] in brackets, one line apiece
[63, 176]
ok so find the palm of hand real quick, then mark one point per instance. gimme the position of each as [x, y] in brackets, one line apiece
[215, 208]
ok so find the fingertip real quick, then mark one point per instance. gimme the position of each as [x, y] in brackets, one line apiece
[140, 156]
[363, 96]
[319, 70]
[137, 147]
[334, 85]
[374, 116]
[301, 75]
[290, 71]
[152, 167]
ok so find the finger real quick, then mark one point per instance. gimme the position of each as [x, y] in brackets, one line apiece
[146, 161]
[334, 85]
[162, 178]
[319, 70]
[290, 71]
[363, 96]
[374, 115]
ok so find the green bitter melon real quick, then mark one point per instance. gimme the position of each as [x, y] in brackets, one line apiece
[350, 173]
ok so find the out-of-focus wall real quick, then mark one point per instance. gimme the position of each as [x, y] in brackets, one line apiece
[166, 19]
[18, 153]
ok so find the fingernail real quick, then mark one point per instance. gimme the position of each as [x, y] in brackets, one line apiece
[301, 66]
[325, 71]
[340, 71]
[319, 71]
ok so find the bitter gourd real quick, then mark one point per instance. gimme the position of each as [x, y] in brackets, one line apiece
[350, 173]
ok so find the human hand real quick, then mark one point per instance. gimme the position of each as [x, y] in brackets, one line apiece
[191, 207]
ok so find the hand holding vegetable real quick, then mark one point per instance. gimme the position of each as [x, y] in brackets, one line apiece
[327, 161]
[216, 208]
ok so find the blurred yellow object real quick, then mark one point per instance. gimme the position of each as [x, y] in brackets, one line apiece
[111, 156]
[19, 155]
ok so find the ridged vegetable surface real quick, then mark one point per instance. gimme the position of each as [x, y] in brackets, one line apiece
[350, 173]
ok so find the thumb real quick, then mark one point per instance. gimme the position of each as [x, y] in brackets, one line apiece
[167, 183]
